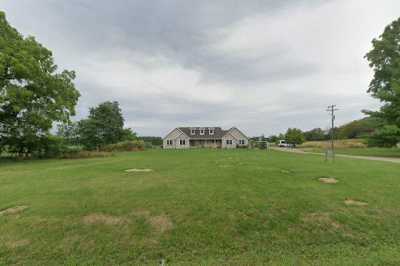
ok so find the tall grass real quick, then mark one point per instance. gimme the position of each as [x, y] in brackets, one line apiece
[340, 144]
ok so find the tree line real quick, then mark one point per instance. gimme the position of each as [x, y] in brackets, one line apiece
[365, 128]
[35, 95]
[103, 126]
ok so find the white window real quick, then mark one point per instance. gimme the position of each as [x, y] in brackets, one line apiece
[228, 142]
[241, 141]
[201, 131]
[211, 131]
[182, 142]
[192, 131]
[169, 142]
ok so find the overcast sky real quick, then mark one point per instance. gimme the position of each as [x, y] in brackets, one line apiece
[262, 66]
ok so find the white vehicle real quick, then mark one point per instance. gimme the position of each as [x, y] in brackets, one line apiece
[282, 143]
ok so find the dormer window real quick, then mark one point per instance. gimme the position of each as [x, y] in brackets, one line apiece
[202, 131]
[192, 131]
[211, 131]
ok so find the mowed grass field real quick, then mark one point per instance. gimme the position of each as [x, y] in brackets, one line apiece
[208, 207]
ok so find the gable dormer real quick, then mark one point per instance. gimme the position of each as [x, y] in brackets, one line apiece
[202, 131]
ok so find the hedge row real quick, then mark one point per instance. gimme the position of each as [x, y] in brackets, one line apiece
[134, 145]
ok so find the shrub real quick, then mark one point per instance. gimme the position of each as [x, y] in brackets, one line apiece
[262, 145]
[51, 147]
[56, 147]
[155, 141]
[148, 145]
[71, 151]
[294, 136]
[134, 145]
[387, 136]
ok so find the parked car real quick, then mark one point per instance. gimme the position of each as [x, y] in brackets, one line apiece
[283, 144]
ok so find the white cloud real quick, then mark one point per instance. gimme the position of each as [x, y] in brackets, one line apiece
[150, 77]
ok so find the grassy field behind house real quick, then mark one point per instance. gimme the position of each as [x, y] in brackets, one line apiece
[209, 207]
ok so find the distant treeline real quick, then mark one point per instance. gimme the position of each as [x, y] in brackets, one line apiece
[154, 141]
[362, 128]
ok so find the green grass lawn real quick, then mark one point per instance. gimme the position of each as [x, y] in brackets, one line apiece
[377, 152]
[209, 207]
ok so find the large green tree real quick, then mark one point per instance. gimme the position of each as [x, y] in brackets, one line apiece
[103, 126]
[33, 94]
[384, 59]
[69, 133]
[294, 136]
[386, 136]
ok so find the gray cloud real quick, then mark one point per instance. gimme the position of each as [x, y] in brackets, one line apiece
[260, 65]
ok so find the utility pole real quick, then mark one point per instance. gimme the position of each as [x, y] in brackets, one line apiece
[331, 109]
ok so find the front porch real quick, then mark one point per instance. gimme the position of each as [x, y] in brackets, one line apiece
[206, 143]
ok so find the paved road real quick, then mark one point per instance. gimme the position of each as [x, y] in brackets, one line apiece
[371, 158]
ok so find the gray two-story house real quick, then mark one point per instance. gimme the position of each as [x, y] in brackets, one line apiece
[205, 137]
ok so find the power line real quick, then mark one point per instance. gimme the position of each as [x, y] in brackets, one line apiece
[331, 109]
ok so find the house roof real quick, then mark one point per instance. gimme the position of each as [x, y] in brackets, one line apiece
[218, 132]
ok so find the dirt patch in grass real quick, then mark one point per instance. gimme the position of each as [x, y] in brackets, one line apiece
[18, 243]
[328, 180]
[13, 210]
[321, 219]
[161, 223]
[351, 202]
[138, 170]
[98, 218]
